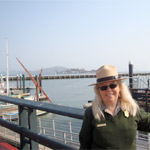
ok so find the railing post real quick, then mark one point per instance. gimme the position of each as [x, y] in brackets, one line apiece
[148, 83]
[54, 128]
[148, 141]
[23, 123]
[65, 140]
[70, 128]
[130, 75]
[20, 81]
[17, 81]
[33, 126]
[40, 126]
[23, 83]
[44, 131]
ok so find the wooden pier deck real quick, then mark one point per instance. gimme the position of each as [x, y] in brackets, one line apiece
[10, 109]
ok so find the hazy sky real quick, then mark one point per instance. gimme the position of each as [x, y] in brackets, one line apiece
[75, 33]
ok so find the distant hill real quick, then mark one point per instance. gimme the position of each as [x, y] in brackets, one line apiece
[45, 71]
[76, 71]
[51, 71]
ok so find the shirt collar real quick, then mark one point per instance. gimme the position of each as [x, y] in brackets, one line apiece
[118, 107]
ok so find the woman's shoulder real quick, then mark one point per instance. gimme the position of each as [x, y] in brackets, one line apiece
[89, 114]
[141, 113]
[143, 120]
[88, 111]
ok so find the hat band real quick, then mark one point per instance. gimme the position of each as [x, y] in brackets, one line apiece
[106, 79]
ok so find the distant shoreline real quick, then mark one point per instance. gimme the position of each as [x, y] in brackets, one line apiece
[71, 76]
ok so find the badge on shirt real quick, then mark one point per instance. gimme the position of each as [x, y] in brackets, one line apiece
[126, 113]
[101, 125]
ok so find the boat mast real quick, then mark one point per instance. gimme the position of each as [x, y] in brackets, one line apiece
[7, 66]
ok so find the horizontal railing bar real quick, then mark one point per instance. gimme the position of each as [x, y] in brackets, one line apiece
[53, 108]
[10, 125]
[34, 136]
[46, 141]
[61, 131]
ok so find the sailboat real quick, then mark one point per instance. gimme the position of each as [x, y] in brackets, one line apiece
[7, 69]
[18, 93]
[2, 85]
[5, 91]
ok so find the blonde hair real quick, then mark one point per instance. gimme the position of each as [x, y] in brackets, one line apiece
[127, 102]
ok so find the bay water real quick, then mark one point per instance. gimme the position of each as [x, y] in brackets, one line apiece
[67, 92]
[74, 92]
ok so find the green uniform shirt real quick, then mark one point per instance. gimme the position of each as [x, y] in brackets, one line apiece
[118, 132]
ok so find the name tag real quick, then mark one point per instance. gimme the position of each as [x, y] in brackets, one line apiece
[101, 125]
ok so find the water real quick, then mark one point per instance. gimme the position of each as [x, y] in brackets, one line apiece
[74, 92]
[67, 92]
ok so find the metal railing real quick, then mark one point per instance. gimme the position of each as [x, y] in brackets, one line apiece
[53, 136]
[27, 128]
[66, 131]
[141, 82]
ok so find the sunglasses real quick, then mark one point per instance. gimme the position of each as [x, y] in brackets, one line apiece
[104, 88]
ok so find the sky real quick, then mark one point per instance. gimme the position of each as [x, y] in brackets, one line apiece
[75, 34]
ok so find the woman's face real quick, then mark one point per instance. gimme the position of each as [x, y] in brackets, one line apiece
[109, 92]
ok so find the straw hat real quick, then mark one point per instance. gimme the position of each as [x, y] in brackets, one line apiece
[107, 73]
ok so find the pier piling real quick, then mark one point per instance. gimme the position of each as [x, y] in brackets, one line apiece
[131, 74]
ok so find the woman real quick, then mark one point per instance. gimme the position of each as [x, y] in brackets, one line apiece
[114, 118]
